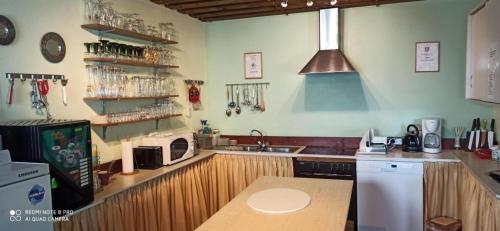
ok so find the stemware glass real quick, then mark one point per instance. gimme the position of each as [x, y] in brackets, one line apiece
[88, 11]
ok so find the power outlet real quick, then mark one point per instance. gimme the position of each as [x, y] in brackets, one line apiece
[395, 140]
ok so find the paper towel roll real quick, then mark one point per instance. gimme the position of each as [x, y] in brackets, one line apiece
[127, 157]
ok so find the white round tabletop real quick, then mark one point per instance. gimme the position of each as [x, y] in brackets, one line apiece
[279, 200]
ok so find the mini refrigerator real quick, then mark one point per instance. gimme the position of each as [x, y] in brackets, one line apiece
[63, 144]
[26, 195]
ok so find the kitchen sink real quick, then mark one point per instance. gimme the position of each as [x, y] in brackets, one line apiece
[255, 148]
[281, 149]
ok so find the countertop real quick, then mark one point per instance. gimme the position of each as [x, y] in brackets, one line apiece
[478, 167]
[327, 211]
[119, 183]
[393, 155]
[399, 155]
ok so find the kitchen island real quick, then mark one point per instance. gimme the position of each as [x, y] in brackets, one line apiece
[327, 210]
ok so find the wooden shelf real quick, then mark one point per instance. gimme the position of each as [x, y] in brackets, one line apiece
[134, 121]
[127, 62]
[129, 98]
[127, 33]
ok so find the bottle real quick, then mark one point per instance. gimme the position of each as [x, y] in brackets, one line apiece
[495, 153]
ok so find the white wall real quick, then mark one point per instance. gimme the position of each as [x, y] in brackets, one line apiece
[34, 18]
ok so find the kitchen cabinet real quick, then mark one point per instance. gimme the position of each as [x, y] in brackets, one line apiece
[452, 190]
[181, 200]
[483, 47]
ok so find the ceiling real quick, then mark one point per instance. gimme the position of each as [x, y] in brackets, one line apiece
[216, 10]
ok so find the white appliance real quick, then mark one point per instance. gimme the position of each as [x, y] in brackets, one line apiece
[431, 135]
[483, 52]
[390, 196]
[26, 194]
[371, 144]
[176, 147]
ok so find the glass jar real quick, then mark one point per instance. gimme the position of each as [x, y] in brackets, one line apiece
[163, 30]
[170, 32]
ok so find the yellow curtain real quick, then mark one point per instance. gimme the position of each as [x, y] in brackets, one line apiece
[441, 180]
[179, 201]
[480, 209]
[451, 190]
[233, 173]
[176, 201]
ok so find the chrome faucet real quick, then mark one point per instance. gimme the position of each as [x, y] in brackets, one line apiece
[261, 143]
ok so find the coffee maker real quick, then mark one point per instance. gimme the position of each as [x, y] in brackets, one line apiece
[431, 135]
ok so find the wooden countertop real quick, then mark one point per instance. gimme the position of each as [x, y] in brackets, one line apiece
[327, 211]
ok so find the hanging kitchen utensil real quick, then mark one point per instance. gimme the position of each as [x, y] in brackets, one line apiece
[262, 104]
[33, 94]
[64, 82]
[7, 31]
[228, 109]
[43, 91]
[10, 92]
[232, 104]
[246, 96]
[238, 108]
[256, 107]
[194, 96]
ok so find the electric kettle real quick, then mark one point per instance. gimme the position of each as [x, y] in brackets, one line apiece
[411, 141]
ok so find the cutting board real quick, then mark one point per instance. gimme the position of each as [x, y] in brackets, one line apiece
[279, 200]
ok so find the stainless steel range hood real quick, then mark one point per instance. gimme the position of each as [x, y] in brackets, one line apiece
[329, 58]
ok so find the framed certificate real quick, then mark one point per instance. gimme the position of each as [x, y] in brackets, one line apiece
[427, 57]
[253, 65]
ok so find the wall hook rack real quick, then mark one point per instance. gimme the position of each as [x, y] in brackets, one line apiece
[197, 82]
[248, 84]
[25, 76]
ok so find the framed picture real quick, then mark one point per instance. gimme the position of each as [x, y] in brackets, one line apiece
[253, 65]
[427, 57]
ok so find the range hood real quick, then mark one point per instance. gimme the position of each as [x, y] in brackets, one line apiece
[329, 58]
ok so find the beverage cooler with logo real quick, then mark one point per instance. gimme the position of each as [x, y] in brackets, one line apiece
[66, 146]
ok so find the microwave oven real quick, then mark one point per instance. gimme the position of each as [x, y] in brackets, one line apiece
[176, 147]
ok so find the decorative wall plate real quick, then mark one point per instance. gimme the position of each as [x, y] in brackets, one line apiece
[7, 31]
[53, 47]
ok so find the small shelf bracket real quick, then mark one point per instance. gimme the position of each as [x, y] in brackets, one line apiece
[104, 130]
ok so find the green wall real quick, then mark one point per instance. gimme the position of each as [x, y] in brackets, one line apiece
[379, 41]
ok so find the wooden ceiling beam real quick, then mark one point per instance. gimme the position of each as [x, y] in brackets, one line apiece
[215, 10]
[263, 8]
[298, 10]
[238, 6]
[201, 4]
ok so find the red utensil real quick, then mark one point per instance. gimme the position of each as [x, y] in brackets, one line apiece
[43, 87]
